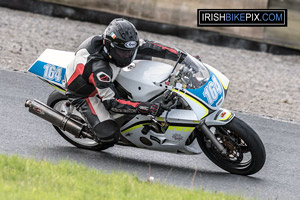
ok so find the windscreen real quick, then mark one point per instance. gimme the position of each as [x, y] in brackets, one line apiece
[191, 74]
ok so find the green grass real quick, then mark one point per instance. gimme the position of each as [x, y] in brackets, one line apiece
[22, 178]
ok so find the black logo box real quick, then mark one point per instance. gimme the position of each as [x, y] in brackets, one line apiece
[241, 17]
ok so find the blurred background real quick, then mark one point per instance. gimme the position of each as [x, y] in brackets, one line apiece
[264, 82]
[184, 14]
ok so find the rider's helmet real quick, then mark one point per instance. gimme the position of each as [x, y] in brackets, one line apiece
[121, 42]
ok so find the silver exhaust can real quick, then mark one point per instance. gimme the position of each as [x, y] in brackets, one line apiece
[56, 118]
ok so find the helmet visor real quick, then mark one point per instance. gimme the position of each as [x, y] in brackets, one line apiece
[123, 57]
[125, 53]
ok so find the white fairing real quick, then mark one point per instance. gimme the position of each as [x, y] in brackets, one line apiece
[173, 140]
[139, 81]
[57, 57]
[51, 66]
[219, 117]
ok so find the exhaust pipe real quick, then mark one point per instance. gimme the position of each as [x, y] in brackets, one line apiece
[57, 119]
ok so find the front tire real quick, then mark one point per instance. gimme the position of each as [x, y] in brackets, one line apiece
[245, 151]
[57, 100]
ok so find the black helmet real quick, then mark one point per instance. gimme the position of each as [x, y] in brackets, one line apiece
[121, 42]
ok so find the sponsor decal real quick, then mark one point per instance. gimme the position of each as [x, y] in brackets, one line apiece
[113, 35]
[146, 108]
[38, 110]
[166, 48]
[130, 44]
[242, 17]
[103, 77]
[223, 114]
[177, 136]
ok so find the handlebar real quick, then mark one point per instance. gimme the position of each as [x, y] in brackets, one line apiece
[168, 108]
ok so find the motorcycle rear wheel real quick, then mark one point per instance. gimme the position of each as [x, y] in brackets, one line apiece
[56, 100]
[246, 153]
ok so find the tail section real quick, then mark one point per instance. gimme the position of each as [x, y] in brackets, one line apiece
[51, 67]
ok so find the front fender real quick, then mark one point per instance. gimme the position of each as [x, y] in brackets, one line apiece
[219, 117]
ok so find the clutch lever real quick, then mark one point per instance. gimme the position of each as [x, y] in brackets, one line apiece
[168, 108]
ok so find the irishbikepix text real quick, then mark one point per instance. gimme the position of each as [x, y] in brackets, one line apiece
[242, 17]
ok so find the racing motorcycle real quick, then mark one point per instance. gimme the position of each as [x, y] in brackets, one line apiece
[193, 121]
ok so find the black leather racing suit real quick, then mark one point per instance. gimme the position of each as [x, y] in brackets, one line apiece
[90, 85]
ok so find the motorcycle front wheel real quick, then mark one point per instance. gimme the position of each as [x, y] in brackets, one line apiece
[246, 153]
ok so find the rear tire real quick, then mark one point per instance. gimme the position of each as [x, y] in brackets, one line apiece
[241, 142]
[56, 100]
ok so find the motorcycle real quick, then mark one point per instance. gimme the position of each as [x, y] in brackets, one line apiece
[193, 121]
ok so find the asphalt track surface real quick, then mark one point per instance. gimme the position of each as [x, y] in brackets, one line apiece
[26, 135]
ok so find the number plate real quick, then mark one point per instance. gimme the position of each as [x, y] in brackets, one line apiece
[211, 93]
[48, 71]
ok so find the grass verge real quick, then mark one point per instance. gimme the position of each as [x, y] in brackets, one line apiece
[22, 178]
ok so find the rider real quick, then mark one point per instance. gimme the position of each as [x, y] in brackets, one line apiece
[97, 63]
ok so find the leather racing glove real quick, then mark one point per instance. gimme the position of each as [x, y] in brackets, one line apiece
[153, 109]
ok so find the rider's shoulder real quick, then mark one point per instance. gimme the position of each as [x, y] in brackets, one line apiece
[91, 44]
[100, 65]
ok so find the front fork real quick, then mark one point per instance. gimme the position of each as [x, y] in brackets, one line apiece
[220, 117]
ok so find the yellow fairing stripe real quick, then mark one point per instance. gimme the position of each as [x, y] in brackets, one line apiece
[225, 87]
[132, 128]
[194, 100]
[179, 128]
[57, 88]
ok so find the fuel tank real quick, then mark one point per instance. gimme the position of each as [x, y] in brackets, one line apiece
[139, 80]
